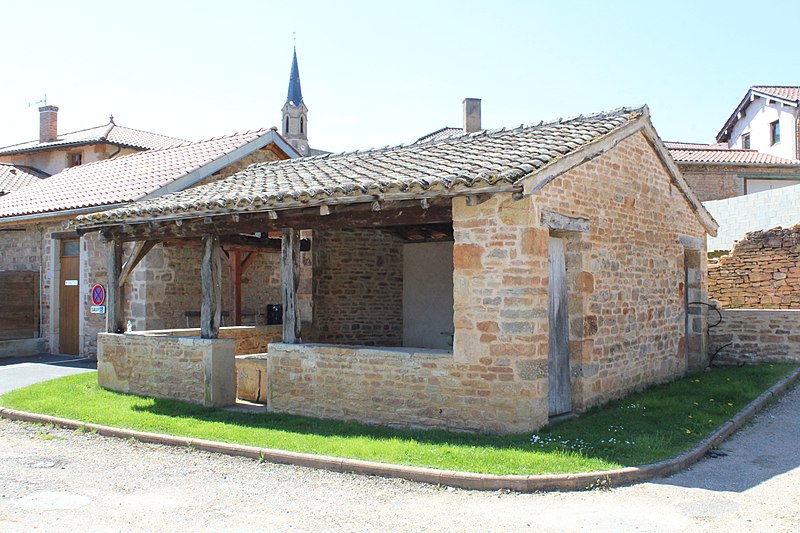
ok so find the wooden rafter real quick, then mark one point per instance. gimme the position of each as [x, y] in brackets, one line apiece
[140, 250]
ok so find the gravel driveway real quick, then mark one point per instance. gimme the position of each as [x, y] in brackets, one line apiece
[53, 479]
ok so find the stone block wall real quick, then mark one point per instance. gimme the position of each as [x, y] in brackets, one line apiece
[183, 368]
[756, 336]
[397, 386]
[358, 287]
[712, 183]
[761, 272]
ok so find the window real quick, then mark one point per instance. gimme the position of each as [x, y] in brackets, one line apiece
[775, 132]
[301, 125]
[286, 127]
[70, 248]
[74, 159]
[746, 141]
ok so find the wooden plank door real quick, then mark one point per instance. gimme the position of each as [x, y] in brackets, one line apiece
[69, 297]
[559, 391]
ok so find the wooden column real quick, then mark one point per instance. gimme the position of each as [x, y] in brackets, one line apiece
[290, 277]
[235, 272]
[211, 279]
[115, 297]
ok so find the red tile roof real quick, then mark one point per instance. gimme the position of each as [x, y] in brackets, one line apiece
[716, 153]
[109, 133]
[780, 91]
[15, 177]
[135, 176]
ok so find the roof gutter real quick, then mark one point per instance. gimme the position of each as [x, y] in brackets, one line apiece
[723, 163]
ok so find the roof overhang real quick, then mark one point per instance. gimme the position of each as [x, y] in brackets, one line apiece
[724, 134]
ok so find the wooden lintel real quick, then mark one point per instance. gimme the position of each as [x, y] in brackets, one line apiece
[241, 243]
[559, 222]
[64, 235]
[400, 213]
[140, 250]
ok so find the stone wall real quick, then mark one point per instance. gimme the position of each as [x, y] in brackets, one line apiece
[761, 272]
[712, 183]
[358, 287]
[183, 368]
[249, 339]
[756, 336]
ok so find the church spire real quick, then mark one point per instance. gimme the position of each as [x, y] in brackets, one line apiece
[295, 95]
[295, 112]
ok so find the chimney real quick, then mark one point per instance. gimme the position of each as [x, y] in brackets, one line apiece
[472, 114]
[48, 123]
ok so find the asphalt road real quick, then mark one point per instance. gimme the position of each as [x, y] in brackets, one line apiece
[57, 479]
[18, 372]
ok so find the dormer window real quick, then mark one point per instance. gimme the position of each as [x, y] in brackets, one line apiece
[74, 159]
[746, 141]
[774, 133]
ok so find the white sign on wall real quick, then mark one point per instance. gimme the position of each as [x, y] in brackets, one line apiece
[98, 309]
[71, 282]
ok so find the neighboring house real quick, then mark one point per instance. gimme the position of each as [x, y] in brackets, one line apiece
[489, 282]
[33, 237]
[15, 177]
[53, 152]
[756, 149]
[716, 172]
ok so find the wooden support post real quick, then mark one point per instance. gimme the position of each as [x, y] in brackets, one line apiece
[211, 279]
[235, 274]
[290, 277]
[116, 296]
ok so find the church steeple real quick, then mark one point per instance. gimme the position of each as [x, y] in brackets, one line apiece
[295, 112]
[295, 95]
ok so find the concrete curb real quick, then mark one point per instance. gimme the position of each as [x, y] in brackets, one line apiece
[463, 480]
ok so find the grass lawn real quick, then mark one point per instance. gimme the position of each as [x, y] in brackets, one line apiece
[642, 428]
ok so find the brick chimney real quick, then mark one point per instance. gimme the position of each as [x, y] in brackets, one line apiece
[48, 123]
[472, 114]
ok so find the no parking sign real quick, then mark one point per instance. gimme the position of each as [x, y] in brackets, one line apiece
[98, 294]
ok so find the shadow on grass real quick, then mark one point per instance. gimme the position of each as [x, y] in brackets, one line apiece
[332, 428]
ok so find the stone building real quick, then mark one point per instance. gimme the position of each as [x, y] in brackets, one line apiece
[488, 281]
[54, 151]
[756, 150]
[60, 268]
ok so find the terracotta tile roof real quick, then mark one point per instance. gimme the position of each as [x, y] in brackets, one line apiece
[131, 177]
[443, 133]
[15, 177]
[780, 91]
[720, 154]
[694, 146]
[446, 167]
[110, 133]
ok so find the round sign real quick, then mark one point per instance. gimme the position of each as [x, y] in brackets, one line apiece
[98, 294]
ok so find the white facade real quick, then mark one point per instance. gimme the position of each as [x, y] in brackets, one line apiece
[756, 121]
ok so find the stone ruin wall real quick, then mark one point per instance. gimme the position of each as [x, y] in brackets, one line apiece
[761, 272]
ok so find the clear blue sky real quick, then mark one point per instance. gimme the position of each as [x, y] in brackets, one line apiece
[377, 73]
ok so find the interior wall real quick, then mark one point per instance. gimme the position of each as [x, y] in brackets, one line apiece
[428, 295]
